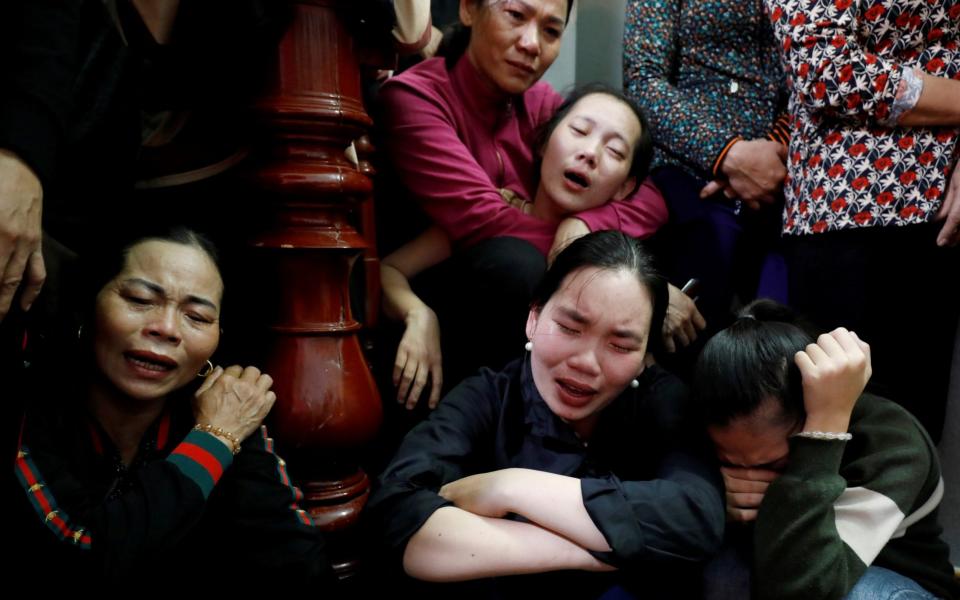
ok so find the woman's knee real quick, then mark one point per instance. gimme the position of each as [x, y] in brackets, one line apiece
[878, 583]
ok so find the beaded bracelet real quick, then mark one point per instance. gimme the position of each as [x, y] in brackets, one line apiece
[220, 432]
[825, 435]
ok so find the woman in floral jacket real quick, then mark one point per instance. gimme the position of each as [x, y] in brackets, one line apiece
[872, 194]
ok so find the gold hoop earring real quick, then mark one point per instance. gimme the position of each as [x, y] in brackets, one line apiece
[206, 371]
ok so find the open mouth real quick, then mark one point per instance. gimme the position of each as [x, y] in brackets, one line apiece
[575, 393]
[150, 361]
[577, 179]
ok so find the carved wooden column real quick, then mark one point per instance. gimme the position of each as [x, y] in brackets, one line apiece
[327, 403]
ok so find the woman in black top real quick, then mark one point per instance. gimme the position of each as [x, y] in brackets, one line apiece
[576, 457]
[123, 474]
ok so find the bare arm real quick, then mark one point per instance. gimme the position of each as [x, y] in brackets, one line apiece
[456, 545]
[937, 104]
[419, 254]
[418, 355]
[552, 501]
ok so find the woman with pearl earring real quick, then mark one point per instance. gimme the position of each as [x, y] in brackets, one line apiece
[578, 457]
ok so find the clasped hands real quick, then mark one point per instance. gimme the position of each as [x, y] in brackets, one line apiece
[753, 171]
[235, 400]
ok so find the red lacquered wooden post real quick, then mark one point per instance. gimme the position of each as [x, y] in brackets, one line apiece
[327, 403]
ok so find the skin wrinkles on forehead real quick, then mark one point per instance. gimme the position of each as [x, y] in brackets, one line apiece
[529, 8]
[160, 291]
[579, 317]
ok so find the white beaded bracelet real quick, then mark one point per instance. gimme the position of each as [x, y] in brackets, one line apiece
[825, 435]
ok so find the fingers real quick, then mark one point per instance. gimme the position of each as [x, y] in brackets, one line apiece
[950, 211]
[711, 188]
[668, 343]
[744, 500]
[34, 277]
[233, 371]
[406, 380]
[741, 474]
[11, 277]
[250, 375]
[436, 379]
[741, 515]
[399, 364]
[698, 321]
[419, 381]
[210, 380]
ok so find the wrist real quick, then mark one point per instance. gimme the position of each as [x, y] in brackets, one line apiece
[225, 437]
[723, 162]
[826, 423]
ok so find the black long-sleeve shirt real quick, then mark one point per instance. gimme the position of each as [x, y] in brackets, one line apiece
[644, 479]
[38, 61]
[185, 510]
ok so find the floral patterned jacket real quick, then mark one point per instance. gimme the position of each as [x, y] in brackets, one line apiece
[845, 60]
[704, 72]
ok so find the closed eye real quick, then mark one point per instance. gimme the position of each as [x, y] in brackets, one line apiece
[138, 300]
[616, 152]
[564, 329]
[199, 319]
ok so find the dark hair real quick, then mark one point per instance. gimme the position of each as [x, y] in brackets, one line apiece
[108, 259]
[456, 37]
[609, 250]
[751, 362]
[643, 149]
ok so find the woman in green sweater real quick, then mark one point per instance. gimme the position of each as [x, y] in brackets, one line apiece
[841, 487]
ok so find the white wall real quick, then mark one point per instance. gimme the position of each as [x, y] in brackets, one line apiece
[592, 48]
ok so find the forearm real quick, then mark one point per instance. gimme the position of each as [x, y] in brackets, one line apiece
[554, 502]
[399, 300]
[797, 525]
[679, 515]
[456, 545]
[937, 105]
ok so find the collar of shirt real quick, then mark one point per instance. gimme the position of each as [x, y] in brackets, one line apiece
[485, 105]
[540, 420]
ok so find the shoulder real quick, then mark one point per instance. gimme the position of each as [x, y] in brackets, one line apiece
[541, 101]
[419, 94]
[888, 444]
[882, 420]
[428, 76]
[489, 388]
[660, 404]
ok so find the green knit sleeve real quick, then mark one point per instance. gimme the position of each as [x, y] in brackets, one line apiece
[838, 504]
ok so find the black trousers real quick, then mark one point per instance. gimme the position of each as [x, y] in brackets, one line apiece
[482, 296]
[896, 289]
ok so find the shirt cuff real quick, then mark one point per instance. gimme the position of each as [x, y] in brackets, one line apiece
[723, 154]
[908, 94]
[202, 458]
[780, 132]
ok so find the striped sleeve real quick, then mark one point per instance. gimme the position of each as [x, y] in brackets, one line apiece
[202, 458]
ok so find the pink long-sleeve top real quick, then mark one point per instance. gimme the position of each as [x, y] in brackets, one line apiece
[454, 143]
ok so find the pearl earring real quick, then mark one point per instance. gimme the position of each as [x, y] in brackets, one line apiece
[528, 346]
[634, 383]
